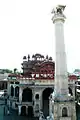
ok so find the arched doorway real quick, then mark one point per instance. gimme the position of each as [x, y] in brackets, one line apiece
[27, 95]
[23, 110]
[30, 111]
[17, 91]
[64, 112]
[45, 98]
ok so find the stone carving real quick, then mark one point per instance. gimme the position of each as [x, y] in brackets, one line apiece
[59, 9]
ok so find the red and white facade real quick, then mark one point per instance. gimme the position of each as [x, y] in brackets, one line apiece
[37, 86]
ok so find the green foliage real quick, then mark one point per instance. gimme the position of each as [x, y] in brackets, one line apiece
[2, 71]
[15, 70]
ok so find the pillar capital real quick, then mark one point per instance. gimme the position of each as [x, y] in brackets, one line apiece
[58, 14]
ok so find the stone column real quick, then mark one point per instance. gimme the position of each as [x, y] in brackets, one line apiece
[20, 94]
[19, 110]
[61, 78]
[26, 110]
[73, 90]
[41, 105]
[51, 103]
[9, 88]
[14, 91]
[60, 97]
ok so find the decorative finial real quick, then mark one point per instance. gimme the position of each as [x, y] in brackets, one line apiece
[59, 9]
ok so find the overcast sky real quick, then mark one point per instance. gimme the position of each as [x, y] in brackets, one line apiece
[26, 28]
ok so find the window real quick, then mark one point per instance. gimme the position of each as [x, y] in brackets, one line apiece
[64, 112]
[37, 96]
[16, 82]
[12, 82]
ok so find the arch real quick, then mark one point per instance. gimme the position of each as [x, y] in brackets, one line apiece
[45, 100]
[27, 95]
[70, 91]
[12, 91]
[23, 110]
[64, 112]
[17, 91]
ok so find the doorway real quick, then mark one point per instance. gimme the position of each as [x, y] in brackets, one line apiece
[45, 100]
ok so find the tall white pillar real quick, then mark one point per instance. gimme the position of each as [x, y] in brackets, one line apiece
[61, 100]
[61, 78]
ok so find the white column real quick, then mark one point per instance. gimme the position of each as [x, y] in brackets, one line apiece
[61, 78]
[20, 94]
[14, 91]
[61, 68]
[9, 88]
[41, 105]
[19, 110]
[26, 110]
[73, 91]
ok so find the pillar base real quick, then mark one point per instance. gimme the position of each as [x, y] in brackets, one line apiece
[64, 110]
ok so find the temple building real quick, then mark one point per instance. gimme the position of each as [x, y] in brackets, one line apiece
[29, 92]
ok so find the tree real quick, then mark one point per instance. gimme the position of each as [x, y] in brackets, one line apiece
[15, 70]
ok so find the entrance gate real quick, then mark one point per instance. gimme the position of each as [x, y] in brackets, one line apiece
[45, 97]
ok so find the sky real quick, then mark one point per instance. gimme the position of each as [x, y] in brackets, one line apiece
[26, 28]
